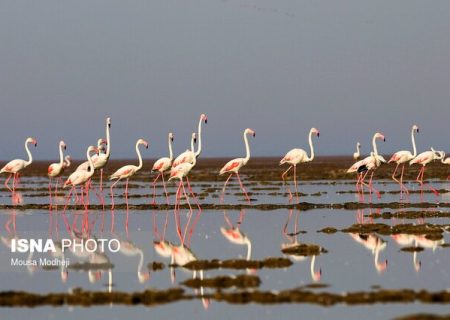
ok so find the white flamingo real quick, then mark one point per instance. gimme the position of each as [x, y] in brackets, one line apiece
[296, 156]
[15, 166]
[55, 170]
[233, 166]
[79, 176]
[189, 155]
[127, 171]
[161, 166]
[402, 157]
[357, 154]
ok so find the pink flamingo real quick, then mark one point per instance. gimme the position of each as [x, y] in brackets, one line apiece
[367, 164]
[127, 171]
[402, 157]
[425, 158]
[189, 155]
[55, 170]
[233, 166]
[179, 172]
[296, 156]
[79, 177]
[357, 154]
[15, 166]
[162, 165]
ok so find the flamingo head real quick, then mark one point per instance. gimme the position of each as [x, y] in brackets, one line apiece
[380, 136]
[358, 144]
[108, 122]
[415, 128]
[142, 141]
[250, 131]
[171, 136]
[381, 267]
[101, 142]
[206, 303]
[32, 140]
[194, 137]
[315, 131]
[62, 145]
[203, 117]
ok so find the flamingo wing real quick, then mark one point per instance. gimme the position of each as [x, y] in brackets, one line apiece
[14, 166]
[232, 166]
[124, 172]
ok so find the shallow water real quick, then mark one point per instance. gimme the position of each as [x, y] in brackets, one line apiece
[352, 262]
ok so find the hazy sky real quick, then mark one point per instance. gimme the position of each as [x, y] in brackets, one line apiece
[349, 68]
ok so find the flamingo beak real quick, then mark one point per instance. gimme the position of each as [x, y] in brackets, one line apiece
[318, 134]
[195, 140]
[384, 139]
[254, 134]
[65, 147]
[417, 129]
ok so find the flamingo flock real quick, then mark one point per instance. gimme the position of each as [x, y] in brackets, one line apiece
[181, 167]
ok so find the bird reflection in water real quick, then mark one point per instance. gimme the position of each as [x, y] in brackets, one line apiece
[293, 242]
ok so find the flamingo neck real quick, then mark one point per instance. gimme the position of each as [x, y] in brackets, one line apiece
[357, 149]
[170, 149]
[199, 150]
[311, 158]
[374, 145]
[91, 164]
[313, 262]
[30, 157]
[192, 143]
[413, 143]
[67, 161]
[108, 141]
[139, 156]
[247, 149]
[61, 157]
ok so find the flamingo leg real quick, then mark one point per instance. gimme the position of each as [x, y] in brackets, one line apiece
[193, 194]
[427, 184]
[396, 180]
[372, 187]
[401, 181]
[295, 182]
[154, 188]
[283, 177]
[224, 187]
[126, 201]
[68, 198]
[165, 189]
[6, 182]
[242, 187]
[112, 193]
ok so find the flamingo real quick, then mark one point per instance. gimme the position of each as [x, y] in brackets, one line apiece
[85, 165]
[56, 169]
[357, 154]
[127, 171]
[104, 157]
[367, 164]
[189, 155]
[79, 176]
[296, 156]
[233, 166]
[179, 172]
[402, 157]
[15, 166]
[425, 158]
[162, 165]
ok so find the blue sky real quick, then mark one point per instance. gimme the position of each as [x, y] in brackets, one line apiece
[349, 68]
